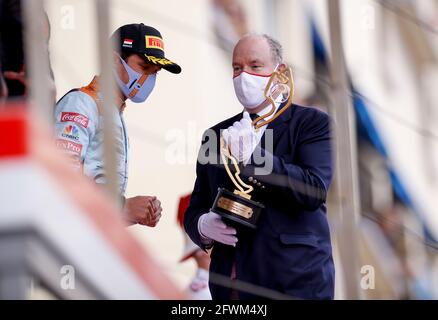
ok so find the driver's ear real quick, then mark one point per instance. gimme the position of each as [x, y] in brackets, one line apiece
[116, 58]
[123, 74]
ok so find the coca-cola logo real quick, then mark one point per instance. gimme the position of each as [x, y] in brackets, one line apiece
[70, 146]
[75, 117]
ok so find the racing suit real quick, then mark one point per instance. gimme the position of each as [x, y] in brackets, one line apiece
[79, 132]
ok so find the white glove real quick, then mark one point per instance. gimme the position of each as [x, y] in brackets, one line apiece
[241, 138]
[211, 226]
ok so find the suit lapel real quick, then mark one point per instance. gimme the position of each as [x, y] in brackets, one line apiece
[279, 125]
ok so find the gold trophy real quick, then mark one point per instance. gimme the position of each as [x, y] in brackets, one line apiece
[237, 206]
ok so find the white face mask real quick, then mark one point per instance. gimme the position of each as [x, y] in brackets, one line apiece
[250, 89]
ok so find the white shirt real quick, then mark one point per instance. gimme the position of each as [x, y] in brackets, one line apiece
[266, 110]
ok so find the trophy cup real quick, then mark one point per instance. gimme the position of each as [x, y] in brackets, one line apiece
[237, 206]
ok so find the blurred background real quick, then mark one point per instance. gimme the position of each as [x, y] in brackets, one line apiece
[382, 210]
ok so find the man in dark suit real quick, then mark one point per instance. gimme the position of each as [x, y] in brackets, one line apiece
[290, 251]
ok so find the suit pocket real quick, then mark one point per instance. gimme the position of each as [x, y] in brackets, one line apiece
[300, 272]
[301, 255]
[299, 239]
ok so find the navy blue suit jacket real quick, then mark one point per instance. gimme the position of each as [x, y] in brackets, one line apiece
[290, 252]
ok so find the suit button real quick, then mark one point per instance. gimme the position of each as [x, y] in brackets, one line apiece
[263, 187]
[250, 179]
[259, 184]
[254, 181]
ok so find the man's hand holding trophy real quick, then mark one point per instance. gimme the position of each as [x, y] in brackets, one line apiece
[237, 145]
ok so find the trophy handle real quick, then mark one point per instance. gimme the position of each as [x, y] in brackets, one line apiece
[285, 78]
[237, 181]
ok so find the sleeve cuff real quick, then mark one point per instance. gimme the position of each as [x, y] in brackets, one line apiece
[207, 242]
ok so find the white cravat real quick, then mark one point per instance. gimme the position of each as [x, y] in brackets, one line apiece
[266, 110]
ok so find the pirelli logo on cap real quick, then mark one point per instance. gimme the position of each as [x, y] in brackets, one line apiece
[153, 42]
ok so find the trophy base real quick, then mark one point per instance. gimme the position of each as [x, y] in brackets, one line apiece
[237, 209]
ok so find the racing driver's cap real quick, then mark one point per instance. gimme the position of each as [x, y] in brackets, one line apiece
[145, 41]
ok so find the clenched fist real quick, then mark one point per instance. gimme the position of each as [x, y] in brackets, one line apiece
[145, 210]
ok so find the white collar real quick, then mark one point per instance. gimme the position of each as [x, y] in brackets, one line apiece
[268, 108]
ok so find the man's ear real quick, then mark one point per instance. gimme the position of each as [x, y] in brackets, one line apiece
[282, 67]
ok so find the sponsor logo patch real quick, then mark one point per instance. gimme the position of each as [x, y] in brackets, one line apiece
[153, 42]
[71, 132]
[127, 43]
[78, 118]
[69, 146]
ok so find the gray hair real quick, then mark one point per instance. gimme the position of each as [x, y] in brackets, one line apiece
[276, 49]
[274, 45]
